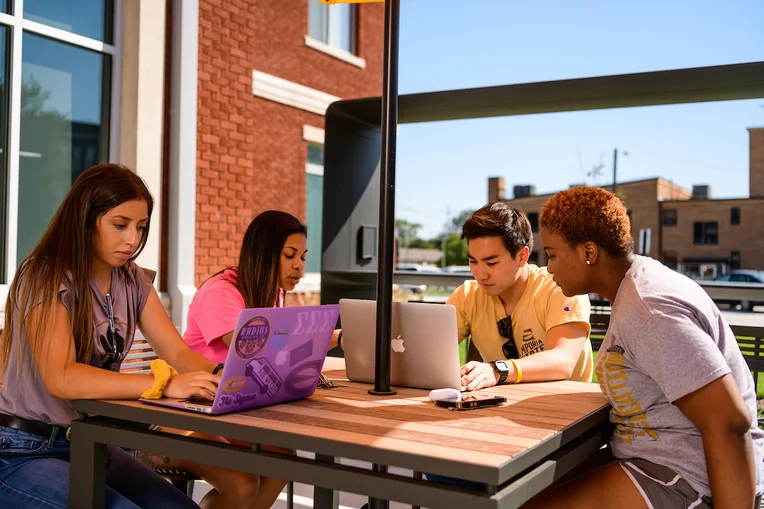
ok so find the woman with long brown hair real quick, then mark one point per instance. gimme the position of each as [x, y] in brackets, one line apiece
[271, 263]
[70, 320]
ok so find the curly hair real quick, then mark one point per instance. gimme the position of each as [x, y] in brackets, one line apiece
[500, 220]
[584, 213]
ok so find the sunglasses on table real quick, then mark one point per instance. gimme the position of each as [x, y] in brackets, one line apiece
[509, 349]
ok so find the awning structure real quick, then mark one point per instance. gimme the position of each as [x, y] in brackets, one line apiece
[353, 126]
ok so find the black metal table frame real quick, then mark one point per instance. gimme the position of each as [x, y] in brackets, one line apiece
[507, 486]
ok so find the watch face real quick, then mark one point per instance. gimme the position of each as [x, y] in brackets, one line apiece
[502, 366]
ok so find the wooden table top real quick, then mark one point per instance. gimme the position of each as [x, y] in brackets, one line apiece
[410, 423]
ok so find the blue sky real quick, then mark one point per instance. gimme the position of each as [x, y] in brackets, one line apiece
[448, 44]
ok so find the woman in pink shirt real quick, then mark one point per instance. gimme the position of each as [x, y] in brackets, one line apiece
[271, 263]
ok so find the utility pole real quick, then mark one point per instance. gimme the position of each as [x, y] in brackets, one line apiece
[615, 166]
[444, 239]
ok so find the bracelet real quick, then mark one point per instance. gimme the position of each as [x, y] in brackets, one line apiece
[217, 369]
[162, 374]
[339, 341]
[518, 370]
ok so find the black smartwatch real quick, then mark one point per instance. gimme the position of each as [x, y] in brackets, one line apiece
[502, 369]
[219, 368]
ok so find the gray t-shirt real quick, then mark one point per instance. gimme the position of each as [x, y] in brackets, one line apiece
[667, 339]
[24, 394]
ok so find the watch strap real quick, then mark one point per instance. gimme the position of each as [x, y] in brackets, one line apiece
[502, 374]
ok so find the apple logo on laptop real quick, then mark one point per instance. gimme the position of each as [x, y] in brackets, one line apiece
[397, 344]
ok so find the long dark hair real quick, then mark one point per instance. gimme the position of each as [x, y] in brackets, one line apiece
[66, 251]
[260, 254]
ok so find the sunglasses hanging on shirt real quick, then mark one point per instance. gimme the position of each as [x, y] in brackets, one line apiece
[509, 349]
[113, 345]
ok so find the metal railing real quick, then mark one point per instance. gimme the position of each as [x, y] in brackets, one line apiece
[717, 290]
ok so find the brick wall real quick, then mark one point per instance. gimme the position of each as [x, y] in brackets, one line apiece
[640, 198]
[743, 237]
[756, 162]
[251, 156]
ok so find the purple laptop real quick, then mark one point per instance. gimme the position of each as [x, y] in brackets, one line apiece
[276, 355]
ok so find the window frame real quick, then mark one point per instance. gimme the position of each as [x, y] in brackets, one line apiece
[312, 136]
[735, 216]
[17, 26]
[703, 235]
[533, 219]
[349, 56]
[667, 219]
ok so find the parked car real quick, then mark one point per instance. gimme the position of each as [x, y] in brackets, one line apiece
[743, 276]
[462, 270]
[414, 267]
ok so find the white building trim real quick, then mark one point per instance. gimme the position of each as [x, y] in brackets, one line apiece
[335, 52]
[181, 234]
[313, 134]
[14, 147]
[289, 93]
[142, 99]
[116, 81]
[63, 35]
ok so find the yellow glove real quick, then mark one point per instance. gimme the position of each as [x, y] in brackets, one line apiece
[162, 374]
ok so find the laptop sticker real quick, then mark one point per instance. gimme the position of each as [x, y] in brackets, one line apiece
[302, 379]
[263, 374]
[252, 337]
[299, 354]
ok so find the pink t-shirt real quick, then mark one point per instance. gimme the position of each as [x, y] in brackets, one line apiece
[213, 313]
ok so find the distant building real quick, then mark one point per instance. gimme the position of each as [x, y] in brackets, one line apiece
[688, 231]
[419, 256]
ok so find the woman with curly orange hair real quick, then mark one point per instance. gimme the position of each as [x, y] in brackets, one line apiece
[684, 404]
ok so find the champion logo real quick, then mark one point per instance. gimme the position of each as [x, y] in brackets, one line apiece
[566, 308]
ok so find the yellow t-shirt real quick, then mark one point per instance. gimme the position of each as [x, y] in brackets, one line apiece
[541, 307]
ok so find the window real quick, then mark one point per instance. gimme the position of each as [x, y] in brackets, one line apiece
[533, 218]
[65, 79]
[669, 217]
[706, 232]
[4, 61]
[314, 205]
[91, 18]
[734, 260]
[316, 154]
[735, 215]
[334, 25]
[671, 259]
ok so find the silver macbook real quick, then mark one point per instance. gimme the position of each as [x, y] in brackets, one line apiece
[424, 345]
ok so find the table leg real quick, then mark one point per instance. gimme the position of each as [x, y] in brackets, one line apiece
[87, 471]
[376, 503]
[418, 476]
[325, 498]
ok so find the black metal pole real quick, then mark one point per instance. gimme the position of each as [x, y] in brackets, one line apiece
[615, 165]
[387, 199]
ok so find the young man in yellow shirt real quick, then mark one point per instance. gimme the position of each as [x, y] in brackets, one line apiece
[521, 323]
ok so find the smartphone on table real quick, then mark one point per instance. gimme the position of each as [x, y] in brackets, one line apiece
[470, 402]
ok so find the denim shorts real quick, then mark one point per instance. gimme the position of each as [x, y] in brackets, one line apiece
[34, 472]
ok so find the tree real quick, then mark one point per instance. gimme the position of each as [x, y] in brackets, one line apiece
[456, 250]
[425, 244]
[407, 231]
[458, 221]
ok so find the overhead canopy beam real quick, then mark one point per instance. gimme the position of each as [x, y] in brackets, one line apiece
[694, 85]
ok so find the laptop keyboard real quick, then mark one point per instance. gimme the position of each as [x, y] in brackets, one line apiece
[198, 401]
